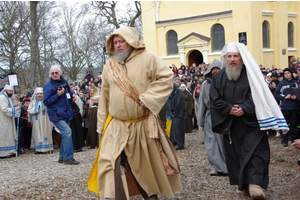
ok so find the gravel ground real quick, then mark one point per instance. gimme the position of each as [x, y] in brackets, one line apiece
[31, 176]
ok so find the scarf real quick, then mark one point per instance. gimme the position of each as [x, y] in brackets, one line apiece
[267, 111]
[156, 131]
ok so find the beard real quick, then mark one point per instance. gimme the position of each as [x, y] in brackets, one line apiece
[9, 95]
[121, 57]
[233, 73]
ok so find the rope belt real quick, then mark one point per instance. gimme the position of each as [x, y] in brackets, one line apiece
[136, 120]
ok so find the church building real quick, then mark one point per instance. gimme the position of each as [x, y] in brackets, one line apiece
[195, 31]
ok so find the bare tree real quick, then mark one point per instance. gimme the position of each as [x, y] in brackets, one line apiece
[14, 51]
[71, 54]
[108, 9]
[39, 35]
[34, 38]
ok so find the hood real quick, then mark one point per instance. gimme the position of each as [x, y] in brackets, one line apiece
[174, 91]
[215, 63]
[129, 34]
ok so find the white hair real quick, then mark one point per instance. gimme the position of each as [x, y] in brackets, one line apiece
[55, 66]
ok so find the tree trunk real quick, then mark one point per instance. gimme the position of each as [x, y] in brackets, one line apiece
[33, 40]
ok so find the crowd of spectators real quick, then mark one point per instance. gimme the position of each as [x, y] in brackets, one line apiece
[190, 76]
[87, 93]
[193, 76]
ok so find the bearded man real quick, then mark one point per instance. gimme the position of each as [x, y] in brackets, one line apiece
[42, 127]
[243, 108]
[8, 111]
[136, 85]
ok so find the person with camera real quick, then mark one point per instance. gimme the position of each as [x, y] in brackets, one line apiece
[285, 93]
[57, 98]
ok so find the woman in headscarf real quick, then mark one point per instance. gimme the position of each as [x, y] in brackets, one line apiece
[42, 127]
[188, 108]
[93, 135]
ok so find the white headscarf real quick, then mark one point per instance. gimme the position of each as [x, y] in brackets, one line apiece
[12, 98]
[183, 85]
[267, 111]
[37, 90]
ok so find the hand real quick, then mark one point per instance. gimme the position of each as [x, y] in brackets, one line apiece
[61, 92]
[18, 107]
[74, 97]
[142, 104]
[237, 111]
[288, 96]
[296, 144]
[293, 97]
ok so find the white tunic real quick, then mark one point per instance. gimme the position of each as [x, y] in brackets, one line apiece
[41, 136]
[8, 133]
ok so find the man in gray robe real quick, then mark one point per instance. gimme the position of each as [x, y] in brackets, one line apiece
[213, 142]
[8, 133]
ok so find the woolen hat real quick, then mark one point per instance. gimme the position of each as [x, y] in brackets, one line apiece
[287, 69]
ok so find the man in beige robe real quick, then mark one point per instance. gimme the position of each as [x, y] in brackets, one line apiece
[126, 141]
[8, 113]
[42, 127]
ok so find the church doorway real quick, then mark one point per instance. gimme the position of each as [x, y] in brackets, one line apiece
[195, 57]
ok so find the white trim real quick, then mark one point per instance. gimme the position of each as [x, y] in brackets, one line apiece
[267, 13]
[185, 21]
[292, 49]
[268, 50]
[215, 53]
[292, 15]
[182, 53]
[204, 53]
[171, 57]
[157, 11]
[193, 45]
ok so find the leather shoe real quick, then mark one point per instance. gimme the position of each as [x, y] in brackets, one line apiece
[152, 197]
[284, 143]
[70, 161]
[21, 151]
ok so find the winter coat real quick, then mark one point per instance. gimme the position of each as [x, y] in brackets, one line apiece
[59, 107]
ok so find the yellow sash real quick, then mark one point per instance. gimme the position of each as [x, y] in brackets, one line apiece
[168, 126]
[93, 178]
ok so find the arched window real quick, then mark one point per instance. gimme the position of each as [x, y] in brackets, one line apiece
[290, 34]
[266, 34]
[217, 37]
[172, 43]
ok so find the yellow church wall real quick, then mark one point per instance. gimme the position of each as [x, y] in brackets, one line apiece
[180, 9]
[149, 27]
[247, 16]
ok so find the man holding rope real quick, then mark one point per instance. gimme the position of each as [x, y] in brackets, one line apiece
[132, 157]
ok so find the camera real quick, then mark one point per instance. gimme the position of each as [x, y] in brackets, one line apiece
[293, 85]
[60, 87]
[298, 161]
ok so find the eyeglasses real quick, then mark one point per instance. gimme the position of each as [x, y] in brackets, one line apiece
[52, 73]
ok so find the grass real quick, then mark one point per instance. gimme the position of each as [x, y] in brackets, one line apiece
[280, 160]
